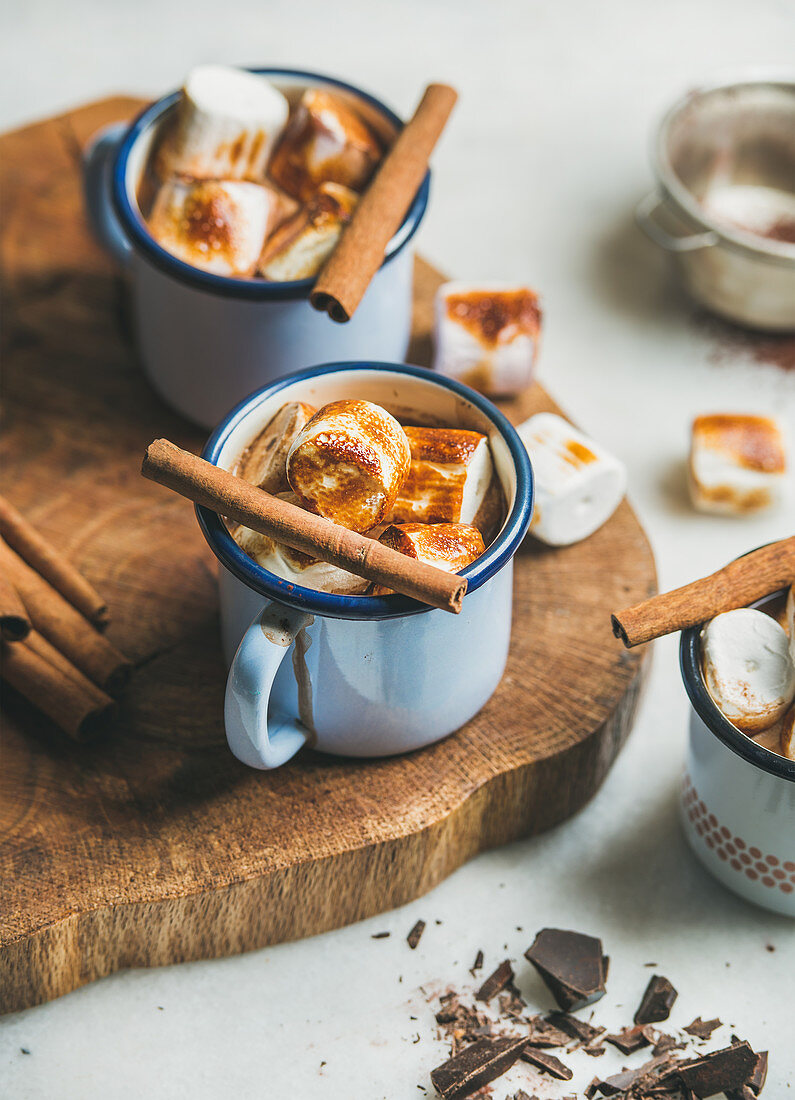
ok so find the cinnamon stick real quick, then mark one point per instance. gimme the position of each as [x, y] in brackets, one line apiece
[55, 687]
[381, 210]
[45, 559]
[743, 581]
[14, 621]
[63, 626]
[244, 503]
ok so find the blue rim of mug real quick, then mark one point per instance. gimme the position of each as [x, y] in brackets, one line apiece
[367, 607]
[251, 289]
[710, 714]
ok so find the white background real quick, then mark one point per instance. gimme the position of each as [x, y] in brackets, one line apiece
[536, 180]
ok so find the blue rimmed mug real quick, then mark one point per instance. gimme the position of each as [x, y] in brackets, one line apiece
[737, 802]
[206, 340]
[362, 675]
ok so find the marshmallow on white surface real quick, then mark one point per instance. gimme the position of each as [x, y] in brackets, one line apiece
[324, 141]
[349, 462]
[217, 225]
[294, 566]
[451, 480]
[487, 335]
[738, 463]
[302, 244]
[264, 461]
[578, 484]
[226, 124]
[747, 667]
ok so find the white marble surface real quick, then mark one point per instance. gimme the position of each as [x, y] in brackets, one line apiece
[536, 180]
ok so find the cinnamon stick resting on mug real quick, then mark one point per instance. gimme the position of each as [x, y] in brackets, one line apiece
[738, 584]
[380, 212]
[238, 500]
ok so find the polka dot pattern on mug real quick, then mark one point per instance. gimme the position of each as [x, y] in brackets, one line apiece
[770, 871]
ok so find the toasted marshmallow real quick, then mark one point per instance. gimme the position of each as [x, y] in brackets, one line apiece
[349, 462]
[747, 667]
[451, 480]
[578, 484]
[264, 462]
[226, 124]
[487, 335]
[790, 620]
[217, 226]
[294, 566]
[786, 745]
[448, 546]
[302, 244]
[737, 463]
[324, 142]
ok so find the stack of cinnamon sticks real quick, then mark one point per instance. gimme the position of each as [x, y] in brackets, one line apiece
[50, 621]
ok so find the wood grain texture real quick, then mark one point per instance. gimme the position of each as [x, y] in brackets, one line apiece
[155, 845]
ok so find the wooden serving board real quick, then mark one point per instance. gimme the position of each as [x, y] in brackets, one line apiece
[156, 845]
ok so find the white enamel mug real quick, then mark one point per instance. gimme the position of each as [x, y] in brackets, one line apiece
[738, 799]
[205, 340]
[362, 675]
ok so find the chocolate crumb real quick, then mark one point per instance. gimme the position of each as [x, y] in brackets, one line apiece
[24, 1050]
[769, 947]
[380, 935]
[629, 1039]
[543, 1034]
[414, 936]
[477, 964]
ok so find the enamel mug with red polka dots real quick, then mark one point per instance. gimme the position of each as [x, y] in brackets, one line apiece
[738, 799]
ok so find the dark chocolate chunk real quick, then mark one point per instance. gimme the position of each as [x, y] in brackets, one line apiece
[571, 964]
[644, 1077]
[476, 1065]
[702, 1029]
[720, 1071]
[548, 1063]
[657, 1001]
[413, 938]
[543, 1034]
[755, 1082]
[576, 1028]
[496, 982]
[628, 1040]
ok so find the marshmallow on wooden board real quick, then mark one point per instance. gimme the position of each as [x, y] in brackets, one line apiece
[447, 546]
[451, 480]
[737, 465]
[349, 462]
[295, 566]
[225, 126]
[324, 141]
[748, 668]
[487, 335]
[578, 484]
[302, 244]
[264, 461]
[217, 225]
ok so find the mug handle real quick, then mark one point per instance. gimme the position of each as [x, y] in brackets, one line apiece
[97, 177]
[645, 216]
[248, 688]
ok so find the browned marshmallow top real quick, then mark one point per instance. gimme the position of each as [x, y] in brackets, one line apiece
[323, 141]
[448, 546]
[497, 316]
[753, 442]
[349, 462]
[448, 478]
[264, 462]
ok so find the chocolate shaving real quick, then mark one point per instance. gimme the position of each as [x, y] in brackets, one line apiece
[522, 1095]
[629, 1039]
[414, 936]
[477, 964]
[547, 1063]
[512, 1003]
[702, 1029]
[664, 1043]
[574, 1027]
[571, 964]
[496, 982]
[657, 1001]
[543, 1034]
[475, 1066]
[632, 1081]
[380, 935]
